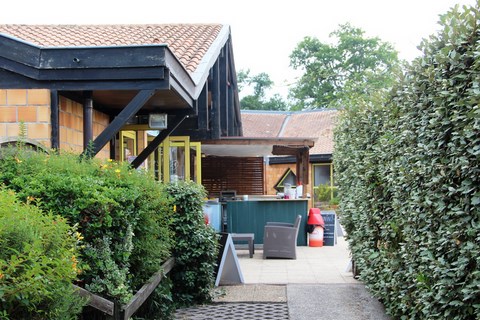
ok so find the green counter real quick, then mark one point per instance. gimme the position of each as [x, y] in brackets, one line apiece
[251, 216]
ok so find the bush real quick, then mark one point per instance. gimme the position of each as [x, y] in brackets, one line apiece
[123, 214]
[409, 177]
[38, 263]
[196, 246]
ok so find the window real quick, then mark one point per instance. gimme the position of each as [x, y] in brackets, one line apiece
[324, 188]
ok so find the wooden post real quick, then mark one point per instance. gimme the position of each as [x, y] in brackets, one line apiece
[216, 130]
[55, 120]
[117, 310]
[87, 119]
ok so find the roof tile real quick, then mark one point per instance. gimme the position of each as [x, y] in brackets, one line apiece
[317, 124]
[188, 42]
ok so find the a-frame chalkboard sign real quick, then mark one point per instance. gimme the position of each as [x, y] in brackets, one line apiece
[228, 267]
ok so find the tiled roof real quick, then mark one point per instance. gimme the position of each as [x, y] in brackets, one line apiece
[188, 42]
[259, 125]
[318, 125]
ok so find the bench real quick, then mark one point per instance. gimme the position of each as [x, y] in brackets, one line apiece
[245, 237]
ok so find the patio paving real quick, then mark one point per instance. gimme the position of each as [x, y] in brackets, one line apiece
[318, 285]
[327, 264]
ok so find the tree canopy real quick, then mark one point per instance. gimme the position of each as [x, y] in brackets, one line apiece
[260, 83]
[354, 65]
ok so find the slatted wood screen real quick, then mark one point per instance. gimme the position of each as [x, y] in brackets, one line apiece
[244, 175]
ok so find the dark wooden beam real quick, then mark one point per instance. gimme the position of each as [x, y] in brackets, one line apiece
[233, 82]
[202, 107]
[302, 165]
[87, 119]
[153, 145]
[215, 111]
[284, 150]
[55, 120]
[231, 113]
[121, 119]
[223, 73]
[11, 80]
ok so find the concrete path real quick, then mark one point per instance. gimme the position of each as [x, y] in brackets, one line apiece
[333, 302]
[318, 285]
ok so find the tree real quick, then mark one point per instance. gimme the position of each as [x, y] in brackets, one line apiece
[260, 83]
[353, 66]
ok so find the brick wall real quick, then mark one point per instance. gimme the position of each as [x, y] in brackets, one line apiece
[71, 127]
[32, 107]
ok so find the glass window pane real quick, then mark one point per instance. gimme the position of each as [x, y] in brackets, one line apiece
[321, 174]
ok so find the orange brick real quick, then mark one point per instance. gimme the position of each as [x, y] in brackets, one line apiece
[62, 119]
[78, 138]
[63, 104]
[13, 129]
[69, 120]
[63, 134]
[38, 131]
[78, 108]
[70, 137]
[78, 123]
[27, 114]
[69, 106]
[3, 130]
[8, 114]
[43, 114]
[16, 97]
[38, 96]
[3, 97]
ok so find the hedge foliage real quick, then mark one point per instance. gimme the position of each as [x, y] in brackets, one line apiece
[123, 215]
[196, 246]
[38, 263]
[409, 180]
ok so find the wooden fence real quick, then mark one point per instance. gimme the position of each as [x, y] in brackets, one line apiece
[119, 312]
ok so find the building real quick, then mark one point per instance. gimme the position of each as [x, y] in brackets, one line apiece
[124, 90]
[317, 125]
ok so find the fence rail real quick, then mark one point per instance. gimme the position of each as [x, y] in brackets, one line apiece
[119, 312]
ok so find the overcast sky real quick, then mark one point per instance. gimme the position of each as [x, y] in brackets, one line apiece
[264, 32]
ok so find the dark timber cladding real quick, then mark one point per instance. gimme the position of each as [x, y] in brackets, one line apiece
[245, 175]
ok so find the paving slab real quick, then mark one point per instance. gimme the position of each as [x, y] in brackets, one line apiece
[338, 301]
[253, 293]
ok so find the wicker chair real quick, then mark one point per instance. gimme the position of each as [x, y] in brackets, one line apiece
[280, 239]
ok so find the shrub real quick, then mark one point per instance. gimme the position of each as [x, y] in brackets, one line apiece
[196, 246]
[409, 177]
[38, 263]
[123, 214]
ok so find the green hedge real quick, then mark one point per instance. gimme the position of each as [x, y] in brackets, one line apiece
[123, 215]
[38, 262]
[409, 174]
[196, 246]
[130, 224]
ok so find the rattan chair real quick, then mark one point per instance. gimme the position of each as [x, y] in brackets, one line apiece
[280, 239]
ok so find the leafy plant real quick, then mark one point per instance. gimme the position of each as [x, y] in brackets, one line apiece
[323, 193]
[39, 261]
[196, 246]
[123, 214]
[408, 176]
